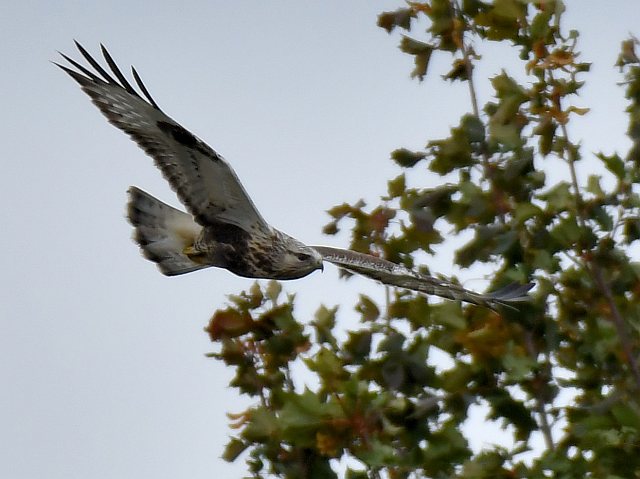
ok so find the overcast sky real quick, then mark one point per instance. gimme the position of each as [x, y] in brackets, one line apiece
[101, 357]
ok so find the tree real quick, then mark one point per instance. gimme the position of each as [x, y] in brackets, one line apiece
[383, 405]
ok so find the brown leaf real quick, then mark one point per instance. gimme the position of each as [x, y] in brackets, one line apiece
[229, 323]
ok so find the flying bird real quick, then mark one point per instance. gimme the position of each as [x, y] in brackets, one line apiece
[222, 227]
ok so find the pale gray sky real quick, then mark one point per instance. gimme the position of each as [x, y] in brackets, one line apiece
[101, 357]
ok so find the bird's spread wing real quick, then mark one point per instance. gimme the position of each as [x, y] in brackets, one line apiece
[203, 180]
[397, 275]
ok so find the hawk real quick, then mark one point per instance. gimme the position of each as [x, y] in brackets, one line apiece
[222, 227]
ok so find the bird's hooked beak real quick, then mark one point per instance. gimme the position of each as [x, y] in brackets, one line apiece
[319, 259]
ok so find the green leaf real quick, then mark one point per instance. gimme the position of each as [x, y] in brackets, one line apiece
[508, 89]
[457, 379]
[506, 134]
[593, 186]
[414, 47]
[503, 20]
[422, 53]
[473, 128]
[451, 153]
[518, 366]
[544, 260]
[599, 213]
[358, 346]
[487, 241]
[415, 309]
[546, 130]
[437, 200]
[540, 27]
[407, 158]
[486, 465]
[446, 447]
[614, 164]
[397, 186]
[367, 308]
[526, 211]
[567, 233]
[503, 405]
[234, 448]
[274, 288]
[459, 71]
[324, 322]
[303, 414]
[392, 343]
[506, 122]
[328, 366]
[508, 9]
[399, 18]
[631, 229]
[262, 426]
[376, 454]
[393, 373]
[442, 23]
[628, 415]
[448, 313]
[504, 242]
[560, 197]
[472, 7]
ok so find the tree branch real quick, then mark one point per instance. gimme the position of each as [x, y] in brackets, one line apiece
[593, 268]
[545, 426]
[619, 323]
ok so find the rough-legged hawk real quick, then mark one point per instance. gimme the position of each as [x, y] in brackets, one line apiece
[223, 228]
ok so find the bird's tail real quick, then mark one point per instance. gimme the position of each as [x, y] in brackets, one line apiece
[162, 232]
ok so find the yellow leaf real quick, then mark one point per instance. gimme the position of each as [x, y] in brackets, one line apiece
[579, 111]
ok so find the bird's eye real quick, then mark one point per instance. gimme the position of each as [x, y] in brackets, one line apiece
[303, 256]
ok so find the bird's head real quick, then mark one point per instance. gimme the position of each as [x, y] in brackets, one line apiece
[299, 260]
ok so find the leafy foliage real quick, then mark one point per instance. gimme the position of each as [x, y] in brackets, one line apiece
[384, 403]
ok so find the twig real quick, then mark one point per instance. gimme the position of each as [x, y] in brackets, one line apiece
[472, 92]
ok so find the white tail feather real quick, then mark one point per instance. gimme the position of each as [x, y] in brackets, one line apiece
[162, 232]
